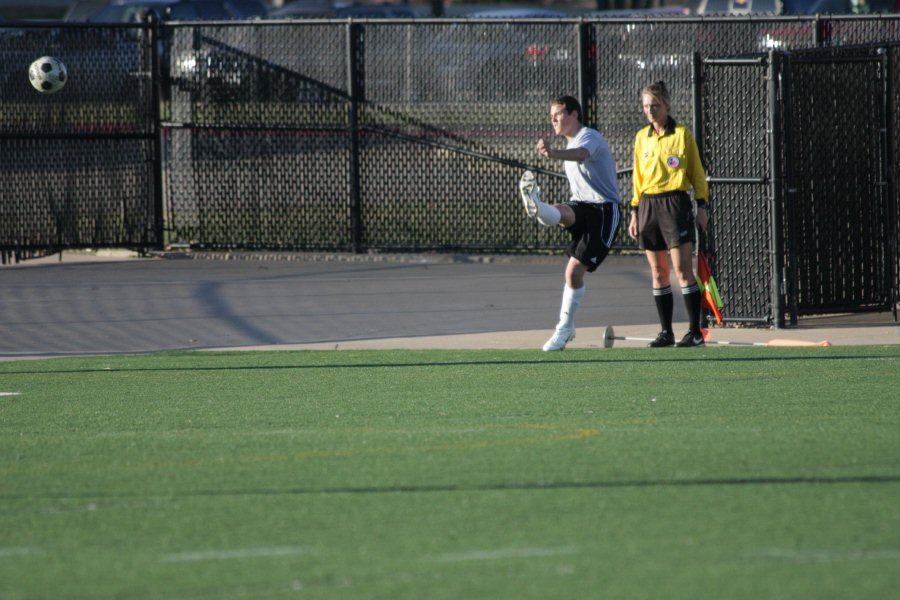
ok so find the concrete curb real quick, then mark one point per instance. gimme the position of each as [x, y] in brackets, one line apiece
[592, 337]
[348, 257]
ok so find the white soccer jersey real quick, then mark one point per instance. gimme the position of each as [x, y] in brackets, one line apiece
[593, 180]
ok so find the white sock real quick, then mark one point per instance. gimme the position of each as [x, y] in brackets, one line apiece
[570, 300]
[547, 215]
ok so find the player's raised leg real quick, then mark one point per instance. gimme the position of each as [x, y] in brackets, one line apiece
[535, 208]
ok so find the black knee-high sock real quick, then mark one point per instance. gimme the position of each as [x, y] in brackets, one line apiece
[691, 296]
[664, 307]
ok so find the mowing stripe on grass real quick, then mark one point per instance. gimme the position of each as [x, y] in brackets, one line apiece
[546, 434]
[19, 551]
[502, 553]
[827, 555]
[208, 555]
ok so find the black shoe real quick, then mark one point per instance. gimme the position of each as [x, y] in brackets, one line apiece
[691, 339]
[663, 340]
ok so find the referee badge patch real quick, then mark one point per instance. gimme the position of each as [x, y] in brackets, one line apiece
[673, 162]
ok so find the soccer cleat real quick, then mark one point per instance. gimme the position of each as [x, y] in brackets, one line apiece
[691, 339]
[663, 340]
[560, 338]
[531, 193]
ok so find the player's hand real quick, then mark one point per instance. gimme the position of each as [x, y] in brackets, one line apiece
[543, 148]
[702, 218]
[632, 226]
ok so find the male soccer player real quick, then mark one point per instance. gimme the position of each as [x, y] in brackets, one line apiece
[591, 215]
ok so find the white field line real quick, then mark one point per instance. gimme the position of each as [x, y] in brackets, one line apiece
[827, 555]
[10, 393]
[501, 554]
[20, 551]
[207, 555]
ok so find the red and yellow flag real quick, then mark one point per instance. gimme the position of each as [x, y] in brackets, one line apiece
[709, 292]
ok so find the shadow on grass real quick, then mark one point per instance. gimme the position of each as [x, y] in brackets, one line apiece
[485, 487]
[657, 359]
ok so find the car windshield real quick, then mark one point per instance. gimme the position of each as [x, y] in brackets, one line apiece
[126, 13]
[197, 10]
[246, 8]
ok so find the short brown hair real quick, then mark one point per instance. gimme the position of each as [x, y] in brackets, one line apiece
[570, 104]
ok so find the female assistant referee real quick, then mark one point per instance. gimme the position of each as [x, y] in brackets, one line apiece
[666, 165]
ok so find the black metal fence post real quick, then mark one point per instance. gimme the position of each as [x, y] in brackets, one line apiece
[156, 110]
[789, 192]
[696, 101]
[888, 171]
[355, 89]
[775, 196]
[587, 87]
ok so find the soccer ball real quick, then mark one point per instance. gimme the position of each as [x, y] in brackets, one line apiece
[47, 74]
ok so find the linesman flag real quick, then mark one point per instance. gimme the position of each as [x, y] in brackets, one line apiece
[710, 298]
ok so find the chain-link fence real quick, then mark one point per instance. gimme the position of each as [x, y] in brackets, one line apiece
[78, 167]
[410, 135]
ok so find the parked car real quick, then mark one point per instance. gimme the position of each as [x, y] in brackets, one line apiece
[217, 70]
[494, 59]
[318, 9]
[386, 10]
[247, 9]
[83, 10]
[128, 11]
[189, 66]
[516, 13]
[308, 9]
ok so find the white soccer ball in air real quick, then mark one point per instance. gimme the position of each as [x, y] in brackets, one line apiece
[47, 74]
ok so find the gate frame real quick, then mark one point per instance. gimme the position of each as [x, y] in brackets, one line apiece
[783, 268]
[772, 179]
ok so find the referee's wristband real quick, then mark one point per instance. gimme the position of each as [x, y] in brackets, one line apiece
[701, 204]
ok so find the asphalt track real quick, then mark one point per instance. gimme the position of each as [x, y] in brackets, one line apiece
[114, 303]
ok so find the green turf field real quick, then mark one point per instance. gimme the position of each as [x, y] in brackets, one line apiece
[732, 473]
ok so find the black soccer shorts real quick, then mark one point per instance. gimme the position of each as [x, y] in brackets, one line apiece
[593, 233]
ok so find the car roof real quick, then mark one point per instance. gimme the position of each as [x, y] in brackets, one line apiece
[386, 9]
[312, 8]
[185, 10]
[140, 2]
[517, 13]
[81, 10]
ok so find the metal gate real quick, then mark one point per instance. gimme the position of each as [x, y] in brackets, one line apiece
[799, 159]
[839, 207]
[734, 129]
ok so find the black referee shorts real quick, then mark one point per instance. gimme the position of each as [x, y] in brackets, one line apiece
[665, 221]
[595, 228]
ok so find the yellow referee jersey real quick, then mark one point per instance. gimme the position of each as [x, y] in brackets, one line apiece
[667, 163]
